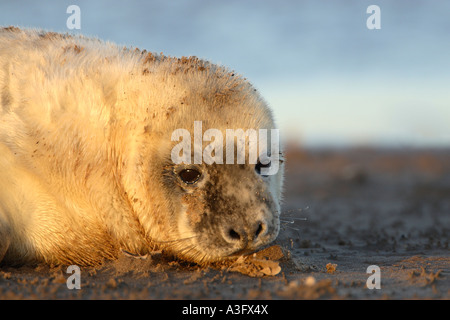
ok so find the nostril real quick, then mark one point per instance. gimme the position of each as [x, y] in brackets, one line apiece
[234, 235]
[237, 235]
[259, 230]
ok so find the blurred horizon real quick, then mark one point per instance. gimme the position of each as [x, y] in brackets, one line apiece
[329, 79]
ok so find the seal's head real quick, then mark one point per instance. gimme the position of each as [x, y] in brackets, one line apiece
[206, 211]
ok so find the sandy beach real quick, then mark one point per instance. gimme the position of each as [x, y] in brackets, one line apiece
[344, 210]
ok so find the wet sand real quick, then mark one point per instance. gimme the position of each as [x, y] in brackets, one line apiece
[344, 211]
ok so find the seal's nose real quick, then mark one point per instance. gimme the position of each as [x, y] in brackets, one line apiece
[242, 237]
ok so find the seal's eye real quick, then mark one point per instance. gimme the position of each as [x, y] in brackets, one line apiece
[259, 165]
[189, 176]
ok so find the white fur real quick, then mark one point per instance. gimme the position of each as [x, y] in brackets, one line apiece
[80, 121]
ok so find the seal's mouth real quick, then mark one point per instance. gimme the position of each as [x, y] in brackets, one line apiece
[243, 252]
[229, 239]
[233, 250]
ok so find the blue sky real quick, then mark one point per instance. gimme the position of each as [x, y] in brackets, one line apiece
[329, 79]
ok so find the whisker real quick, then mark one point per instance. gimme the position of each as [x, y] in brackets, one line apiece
[134, 255]
[296, 229]
[187, 251]
[292, 220]
[286, 213]
[175, 240]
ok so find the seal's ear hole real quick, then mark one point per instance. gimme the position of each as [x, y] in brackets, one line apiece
[190, 176]
[259, 165]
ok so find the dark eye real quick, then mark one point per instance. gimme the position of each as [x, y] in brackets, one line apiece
[189, 176]
[259, 165]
